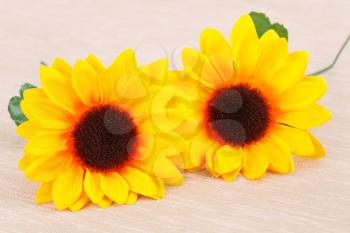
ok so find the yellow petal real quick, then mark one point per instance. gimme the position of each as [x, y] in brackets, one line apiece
[92, 186]
[131, 87]
[128, 79]
[278, 154]
[95, 63]
[115, 187]
[35, 93]
[107, 85]
[227, 159]
[158, 70]
[161, 189]
[319, 150]
[209, 75]
[121, 79]
[166, 147]
[44, 193]
[67, 187]
[231, 175]
[62, 66]
[27, 130]
[305, 93]
[26, 160]
[268, 37]
[209, 159]
[59, 88]
[165, 169]
[46, 142]
[213, 43]
[46, 114]
[289, 75]
[105, 202]
[200, 68]
[146, 146]
[80, 203]
[244, 26]
[247, 57]
[271, 59]
[166, 119]
[223, 65]
[46, 168]
[255, 162]
[298, 56]
[141, 183]
[174, 181]
[125, 63]
[132, 198]
[192, 60]
[85, 83]
[305, 118]
[298, 140]
[245, 47]
[196, 152]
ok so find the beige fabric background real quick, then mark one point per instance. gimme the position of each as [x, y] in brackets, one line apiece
[315, 198]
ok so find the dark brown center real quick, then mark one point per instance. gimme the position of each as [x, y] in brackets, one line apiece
[238, 115]
[105, 138]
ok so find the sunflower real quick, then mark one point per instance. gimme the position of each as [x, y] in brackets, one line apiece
[254, 104]
[89, 137]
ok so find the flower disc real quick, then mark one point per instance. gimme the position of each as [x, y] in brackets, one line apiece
[105, 138]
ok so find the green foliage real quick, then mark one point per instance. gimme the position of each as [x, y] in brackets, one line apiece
[280, 29]
[14, 107]
[25, 87]
[262, 24]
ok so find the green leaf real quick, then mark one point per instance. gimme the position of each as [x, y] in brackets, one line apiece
[14, 106]
[25, 87]
[15, 110]
[262, 24]
[280, 29]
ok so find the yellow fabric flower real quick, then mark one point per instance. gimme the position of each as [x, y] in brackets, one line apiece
[250, 105]
[89, 134]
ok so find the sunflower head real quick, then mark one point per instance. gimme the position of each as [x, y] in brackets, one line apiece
[90, 138]
[254, 105]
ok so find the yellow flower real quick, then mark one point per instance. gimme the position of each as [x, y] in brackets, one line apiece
[89, 134]
[254, 104]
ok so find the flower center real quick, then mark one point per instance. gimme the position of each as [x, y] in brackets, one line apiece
[105, 137]
[238, 115]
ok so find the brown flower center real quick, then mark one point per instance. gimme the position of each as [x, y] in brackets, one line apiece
[238, 115]
[105, 137]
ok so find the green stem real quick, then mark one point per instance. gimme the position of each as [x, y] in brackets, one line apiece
[335, 59]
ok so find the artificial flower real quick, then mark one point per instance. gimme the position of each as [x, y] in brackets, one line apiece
[89, 135]
[250, 104]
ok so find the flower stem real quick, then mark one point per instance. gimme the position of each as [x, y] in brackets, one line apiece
[335, 59]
